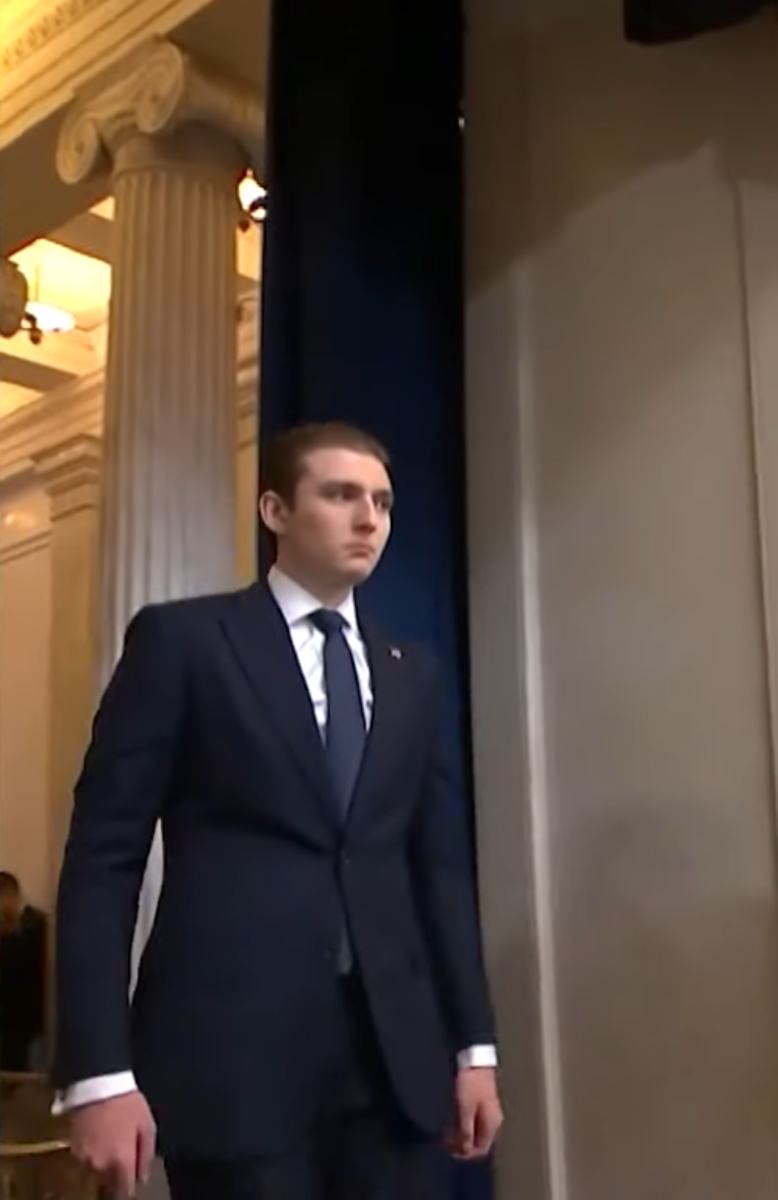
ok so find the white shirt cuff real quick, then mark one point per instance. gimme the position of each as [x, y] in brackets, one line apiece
[92, 1091]
[477, 1056]
[105, 1087]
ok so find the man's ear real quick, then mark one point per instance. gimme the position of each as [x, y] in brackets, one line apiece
[272, 512]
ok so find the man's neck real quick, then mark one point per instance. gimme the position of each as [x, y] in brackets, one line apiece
[329, 594]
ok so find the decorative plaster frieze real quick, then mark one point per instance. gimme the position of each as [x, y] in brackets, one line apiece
[53, 21]
[158, 90]
[46, 60]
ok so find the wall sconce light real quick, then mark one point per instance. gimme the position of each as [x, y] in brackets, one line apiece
[253, 200]
[41, 318]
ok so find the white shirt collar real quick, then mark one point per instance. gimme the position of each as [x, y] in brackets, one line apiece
[297, 605]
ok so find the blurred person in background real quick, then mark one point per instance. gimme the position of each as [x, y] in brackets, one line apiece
[22, 976]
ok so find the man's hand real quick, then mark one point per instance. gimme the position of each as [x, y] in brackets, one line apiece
[115, 1138]
[478, 1116]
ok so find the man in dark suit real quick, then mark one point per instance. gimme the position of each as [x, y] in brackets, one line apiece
[311, 1016]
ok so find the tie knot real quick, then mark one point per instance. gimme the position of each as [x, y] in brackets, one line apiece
[329, 621]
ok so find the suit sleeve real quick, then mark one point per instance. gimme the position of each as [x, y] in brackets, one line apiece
[119, 797]
[444, 879]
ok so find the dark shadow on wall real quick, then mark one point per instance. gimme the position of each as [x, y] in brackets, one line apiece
[593, 114]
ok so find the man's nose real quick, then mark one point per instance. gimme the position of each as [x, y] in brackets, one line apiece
[367, 514]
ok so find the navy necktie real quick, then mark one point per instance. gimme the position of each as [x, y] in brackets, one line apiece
[345, 731]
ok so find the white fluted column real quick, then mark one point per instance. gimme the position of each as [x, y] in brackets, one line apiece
[176, 139]
[171, 377]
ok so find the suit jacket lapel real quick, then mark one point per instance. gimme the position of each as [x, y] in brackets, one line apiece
[390, 701]
[260, 638]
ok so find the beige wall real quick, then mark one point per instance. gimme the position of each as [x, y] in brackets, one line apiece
[25, 585]
[622, 317]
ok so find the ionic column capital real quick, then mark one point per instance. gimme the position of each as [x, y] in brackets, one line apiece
[158, 90]
[70, 472]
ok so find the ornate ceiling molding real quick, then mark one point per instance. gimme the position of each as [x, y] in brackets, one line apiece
[44, 29]
[49, 55]
[158, 90]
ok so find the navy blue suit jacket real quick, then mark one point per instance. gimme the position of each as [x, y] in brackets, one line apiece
[207, 725]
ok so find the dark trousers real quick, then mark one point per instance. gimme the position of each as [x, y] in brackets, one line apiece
[359, 1148]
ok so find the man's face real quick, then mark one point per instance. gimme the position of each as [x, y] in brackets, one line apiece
[336, 530]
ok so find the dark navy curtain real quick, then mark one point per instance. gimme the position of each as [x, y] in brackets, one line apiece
[362, 290]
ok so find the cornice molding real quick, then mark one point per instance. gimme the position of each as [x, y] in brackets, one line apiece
[47, 58]
[39, 540]
[55, 20]
[70, 472]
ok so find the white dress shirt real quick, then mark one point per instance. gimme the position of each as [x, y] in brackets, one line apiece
[297, 606]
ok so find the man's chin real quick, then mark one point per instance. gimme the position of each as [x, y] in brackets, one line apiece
[358, 569]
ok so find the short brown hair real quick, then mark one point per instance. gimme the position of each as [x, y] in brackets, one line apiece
[282, 460]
